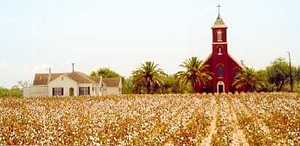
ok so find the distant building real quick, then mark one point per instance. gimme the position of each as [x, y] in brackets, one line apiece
[222, 66]
[72, 84]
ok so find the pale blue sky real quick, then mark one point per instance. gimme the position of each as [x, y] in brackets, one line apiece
[121, 34]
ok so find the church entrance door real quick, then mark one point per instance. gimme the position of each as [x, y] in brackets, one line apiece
[220, 87]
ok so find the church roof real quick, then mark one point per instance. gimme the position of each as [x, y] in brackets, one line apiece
[219, 23]
[207, 60]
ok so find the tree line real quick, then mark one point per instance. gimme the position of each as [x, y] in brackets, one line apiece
[14, 91]
[149, 78]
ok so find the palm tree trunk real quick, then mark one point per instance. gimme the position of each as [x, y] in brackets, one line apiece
[280, 87]
[194, 85]
[148, 88]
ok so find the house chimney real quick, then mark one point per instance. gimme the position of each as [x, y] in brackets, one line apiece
[73, 67]
[49, 75]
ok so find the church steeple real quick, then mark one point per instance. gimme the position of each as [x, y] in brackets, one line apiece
[219, 23]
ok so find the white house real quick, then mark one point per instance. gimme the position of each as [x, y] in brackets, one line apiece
[71, 84]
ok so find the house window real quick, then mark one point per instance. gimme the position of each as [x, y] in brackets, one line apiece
[57, 91]
[219, 36]
[220, 70]
[83, 91]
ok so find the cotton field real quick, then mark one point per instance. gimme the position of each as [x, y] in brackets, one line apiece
[196, 119]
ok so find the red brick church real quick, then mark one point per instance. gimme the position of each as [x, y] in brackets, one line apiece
[222, 66]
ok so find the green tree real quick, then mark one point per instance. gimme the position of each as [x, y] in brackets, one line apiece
[247, 80]
[4, 92]
[195, 73]
[15, 91]
[103, 72]
[278, 73]
[148, 77]
[128, 86]
[298, 74]
[262, 76]
[172, 85]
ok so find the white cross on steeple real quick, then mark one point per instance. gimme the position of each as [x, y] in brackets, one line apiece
[219, 10]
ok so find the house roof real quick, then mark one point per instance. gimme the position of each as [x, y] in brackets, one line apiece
[111, 82]
[80, 77]
[42, 78]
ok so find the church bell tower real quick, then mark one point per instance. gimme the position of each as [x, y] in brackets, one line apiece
[219, 34]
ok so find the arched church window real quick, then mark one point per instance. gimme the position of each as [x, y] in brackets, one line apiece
[220, 51]
[219, 36]
[220, 70]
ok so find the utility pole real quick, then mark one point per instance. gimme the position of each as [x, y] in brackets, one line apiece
[290, 66]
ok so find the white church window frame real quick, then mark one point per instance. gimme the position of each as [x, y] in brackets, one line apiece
[220, 51]
[219, 36]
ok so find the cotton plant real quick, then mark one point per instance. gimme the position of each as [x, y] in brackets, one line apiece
[171, 119]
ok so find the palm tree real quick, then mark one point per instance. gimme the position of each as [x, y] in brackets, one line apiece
[103, 72]
[148, 77]
[195, 73]
[247, 80]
